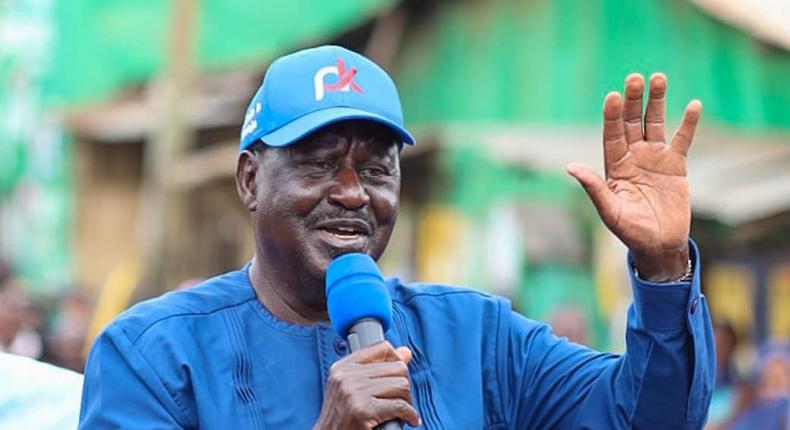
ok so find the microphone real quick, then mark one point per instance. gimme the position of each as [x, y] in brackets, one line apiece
[359, 304]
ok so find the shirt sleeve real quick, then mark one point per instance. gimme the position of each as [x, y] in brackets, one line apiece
[663, 381]
[121, 390]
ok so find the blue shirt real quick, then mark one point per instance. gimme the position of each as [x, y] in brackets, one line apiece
[212, 357]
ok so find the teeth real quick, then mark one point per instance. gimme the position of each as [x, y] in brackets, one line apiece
[343, 232]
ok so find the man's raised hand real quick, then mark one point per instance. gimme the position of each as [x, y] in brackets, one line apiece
[645, 199]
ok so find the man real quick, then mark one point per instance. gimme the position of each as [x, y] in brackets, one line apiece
[318, 172]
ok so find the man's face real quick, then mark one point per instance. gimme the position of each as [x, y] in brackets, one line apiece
[332, 193]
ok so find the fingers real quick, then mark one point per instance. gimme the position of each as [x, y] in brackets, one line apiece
[382, 351]
[685, 133]
[385, 370]
[388, 410]
[404, 354]
[369, 386]
[391, 388]
[614, 144]
[602, 197]
[632, 118]
[656, 108]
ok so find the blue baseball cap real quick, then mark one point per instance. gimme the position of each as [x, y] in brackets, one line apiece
[316, 87]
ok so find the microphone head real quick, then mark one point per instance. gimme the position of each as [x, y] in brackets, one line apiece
[355, 290]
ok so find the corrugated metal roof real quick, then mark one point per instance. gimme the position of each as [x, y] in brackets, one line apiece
[103, 46]
[733, 177]
[219, 99]
[551, 62]
[768, 20]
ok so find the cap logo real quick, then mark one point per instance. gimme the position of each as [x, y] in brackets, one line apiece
[250, 123]
[344, 80]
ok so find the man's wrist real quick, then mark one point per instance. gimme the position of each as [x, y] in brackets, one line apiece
[665, 266]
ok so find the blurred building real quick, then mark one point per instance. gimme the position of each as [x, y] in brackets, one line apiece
[120, 176]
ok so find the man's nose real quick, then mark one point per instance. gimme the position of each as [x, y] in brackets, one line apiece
[347, 191]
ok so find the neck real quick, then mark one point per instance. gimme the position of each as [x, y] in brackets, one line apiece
[278, 291]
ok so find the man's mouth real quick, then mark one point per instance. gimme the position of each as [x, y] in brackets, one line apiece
[345, 233]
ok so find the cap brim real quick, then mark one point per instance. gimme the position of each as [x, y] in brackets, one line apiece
[304, 125]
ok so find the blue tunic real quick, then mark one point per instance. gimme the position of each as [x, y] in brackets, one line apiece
[212, 357]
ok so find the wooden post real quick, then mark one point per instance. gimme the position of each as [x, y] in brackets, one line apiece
[163, 224]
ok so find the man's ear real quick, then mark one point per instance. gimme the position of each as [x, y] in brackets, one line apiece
[246, 185]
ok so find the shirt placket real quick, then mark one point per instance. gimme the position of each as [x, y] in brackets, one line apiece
[330, 348]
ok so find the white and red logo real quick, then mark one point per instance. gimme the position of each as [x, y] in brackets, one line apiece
[344, 80]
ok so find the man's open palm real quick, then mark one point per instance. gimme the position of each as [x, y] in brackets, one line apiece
[645, 199]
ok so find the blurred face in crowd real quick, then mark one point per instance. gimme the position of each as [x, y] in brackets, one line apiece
[725, 343]
[334, 192]
[775, 378]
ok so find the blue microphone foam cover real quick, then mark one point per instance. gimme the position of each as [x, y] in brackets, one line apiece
[355, 290]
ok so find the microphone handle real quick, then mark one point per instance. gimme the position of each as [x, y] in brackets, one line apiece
[390, 425]
[364, 333]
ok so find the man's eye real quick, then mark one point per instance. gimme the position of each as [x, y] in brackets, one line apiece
[320, 165]
[373, 172]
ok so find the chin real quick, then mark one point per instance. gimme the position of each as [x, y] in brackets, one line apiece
[317, 263]
[326, 252]
[313, 282]
[322, 253]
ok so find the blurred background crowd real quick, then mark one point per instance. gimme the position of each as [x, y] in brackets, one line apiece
[119, 125]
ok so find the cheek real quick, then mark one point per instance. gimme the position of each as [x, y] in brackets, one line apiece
[385, 206]
[290, 198]
[283, 213]
[385, 210]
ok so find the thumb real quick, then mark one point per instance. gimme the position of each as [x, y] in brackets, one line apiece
[404, 353]
[602, 197]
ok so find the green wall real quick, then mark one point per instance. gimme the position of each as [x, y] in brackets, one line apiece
[552, 62]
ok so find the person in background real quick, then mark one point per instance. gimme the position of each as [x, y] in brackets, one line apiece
[16, 334]
[726, 392]
[65, 338]
[726, 343]
[37, 396]
[771, 377]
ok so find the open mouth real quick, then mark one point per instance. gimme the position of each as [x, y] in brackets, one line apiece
[345, 233]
